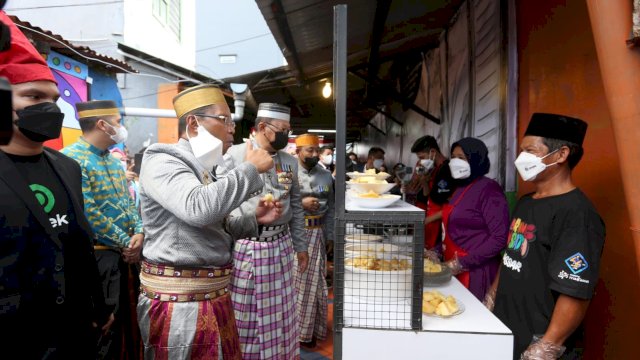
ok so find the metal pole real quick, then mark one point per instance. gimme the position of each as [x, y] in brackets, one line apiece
[144, 112]
[340, 101]
[610, 23]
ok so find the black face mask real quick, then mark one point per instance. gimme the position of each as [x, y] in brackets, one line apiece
[281, 140]
[40, 122]
[311, 162]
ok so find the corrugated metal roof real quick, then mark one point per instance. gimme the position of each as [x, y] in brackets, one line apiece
[304, 30]
[59, 44]
[410, 24]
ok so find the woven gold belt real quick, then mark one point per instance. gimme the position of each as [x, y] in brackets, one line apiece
[313, 221]
[104, 247]
[168, 283]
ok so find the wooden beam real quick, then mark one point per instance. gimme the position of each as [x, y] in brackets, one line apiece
[285, 31]
[377, 128]
[387, 114]
[380, 18]
[388, 89]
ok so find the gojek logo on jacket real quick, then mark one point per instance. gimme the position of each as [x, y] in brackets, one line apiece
[48, 201]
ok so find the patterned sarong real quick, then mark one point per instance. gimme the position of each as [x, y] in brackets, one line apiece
[188, 330]
[312, 290]
[264, 300]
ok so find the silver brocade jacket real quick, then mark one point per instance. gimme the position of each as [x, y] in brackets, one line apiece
[185, 209]
[282, 182]
[318, 183]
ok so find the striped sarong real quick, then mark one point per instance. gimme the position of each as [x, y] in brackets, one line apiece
[176, 328]
[312, 290]
[264, 300]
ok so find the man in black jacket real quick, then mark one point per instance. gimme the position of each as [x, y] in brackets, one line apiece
[51, 301]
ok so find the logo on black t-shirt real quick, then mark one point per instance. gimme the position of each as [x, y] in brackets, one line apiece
[443, 186]
[44, 196]
[48, 201]
[520, 235]
[576, 263]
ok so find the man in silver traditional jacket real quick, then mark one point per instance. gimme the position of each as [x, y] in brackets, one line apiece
[316, 189]
[184, 309]
[262, 283]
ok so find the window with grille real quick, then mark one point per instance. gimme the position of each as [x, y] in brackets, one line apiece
[168, 13]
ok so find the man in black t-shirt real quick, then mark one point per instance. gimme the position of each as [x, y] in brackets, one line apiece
[550, 267]
[51, 300]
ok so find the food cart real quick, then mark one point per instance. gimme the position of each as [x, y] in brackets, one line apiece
[379, 270]
[379, 315]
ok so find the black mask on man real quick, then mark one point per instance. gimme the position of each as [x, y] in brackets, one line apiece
[310, 162]
[40, 122]
[281, 140]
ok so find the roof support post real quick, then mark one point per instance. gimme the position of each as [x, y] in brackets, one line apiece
[283, 27]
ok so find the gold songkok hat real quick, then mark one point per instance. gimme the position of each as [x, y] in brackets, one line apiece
[96, 108]
[196, 98]
[307, 140]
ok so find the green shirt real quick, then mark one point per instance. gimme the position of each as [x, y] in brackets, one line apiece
[107, 203]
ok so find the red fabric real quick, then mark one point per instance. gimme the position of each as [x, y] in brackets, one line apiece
[205, 345]
[22, 63]
[160, 316]
[55, 144]
[215, 327]
[432, 229]
[426, 226]
[449, 247]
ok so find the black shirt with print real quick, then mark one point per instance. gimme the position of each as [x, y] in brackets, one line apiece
[442, 186]
[48, 189]
[554, 248]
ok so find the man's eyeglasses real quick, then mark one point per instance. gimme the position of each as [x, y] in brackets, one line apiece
[287, 131]
[227, 120]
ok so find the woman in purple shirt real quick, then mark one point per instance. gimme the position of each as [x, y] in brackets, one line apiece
[476, 219]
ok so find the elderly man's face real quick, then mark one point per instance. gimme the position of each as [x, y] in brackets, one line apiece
[272, 126]
[273, 129]
[534, 145]
[308, 152]
[217, 120]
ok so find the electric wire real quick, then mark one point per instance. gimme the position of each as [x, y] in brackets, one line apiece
[99, 60]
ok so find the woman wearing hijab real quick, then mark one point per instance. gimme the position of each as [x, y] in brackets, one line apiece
[476, 219]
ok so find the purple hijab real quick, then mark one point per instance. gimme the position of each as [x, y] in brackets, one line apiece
[479, 223]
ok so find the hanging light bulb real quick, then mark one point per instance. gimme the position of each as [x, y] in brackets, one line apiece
[326, 90]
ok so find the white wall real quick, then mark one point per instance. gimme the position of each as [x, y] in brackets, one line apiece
[461, 85]
[209, 28]
[233, 27]
[98, 26]
[146, 33]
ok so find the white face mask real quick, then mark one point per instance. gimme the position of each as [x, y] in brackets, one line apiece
[460, 169]
[327, 159]
[529, 165]
[378, 163]
[206, 148]
[121, 133]
[427, 164]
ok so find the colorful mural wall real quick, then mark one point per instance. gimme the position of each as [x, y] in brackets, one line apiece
[71, 76]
